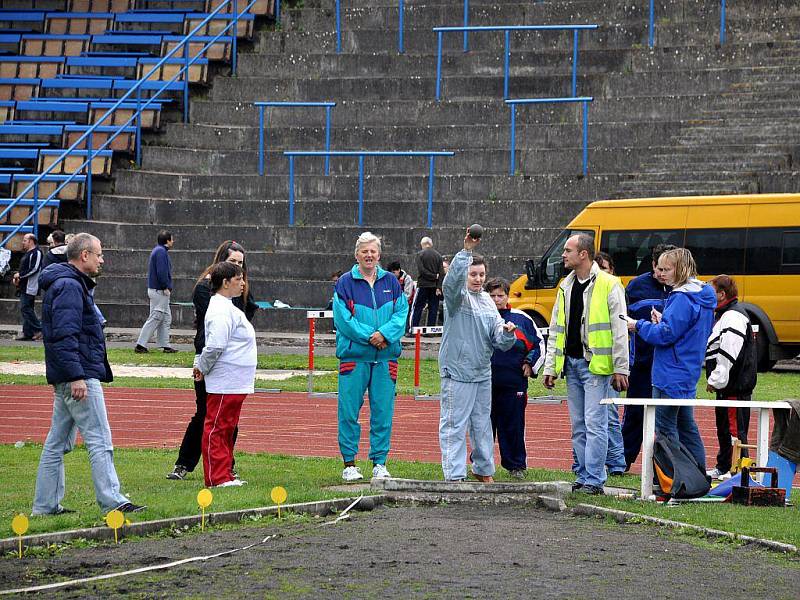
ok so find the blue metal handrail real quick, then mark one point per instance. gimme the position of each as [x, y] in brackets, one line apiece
[262, 105]
[507, 29]
[136, 116]
[582, 99]
[651, 23]
[400, 35]
[431, 154]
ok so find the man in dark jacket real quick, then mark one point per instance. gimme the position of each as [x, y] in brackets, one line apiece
[159, 290]
[76, 363]
[27, 282]
[430, 274]
[644, 293]
[58, 249]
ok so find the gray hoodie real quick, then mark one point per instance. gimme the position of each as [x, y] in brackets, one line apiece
[472, 327]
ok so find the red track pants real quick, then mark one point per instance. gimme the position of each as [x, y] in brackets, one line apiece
[222, 416]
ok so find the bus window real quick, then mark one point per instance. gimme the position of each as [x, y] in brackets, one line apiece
[552, 265]
[717, 251]
[631, 250]
[790, 261]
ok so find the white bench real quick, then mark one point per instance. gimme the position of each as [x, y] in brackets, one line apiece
[649, 427]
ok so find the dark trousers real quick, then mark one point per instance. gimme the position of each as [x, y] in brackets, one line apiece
[30, 322]
[508, 426]
[189, 454]
[425, 297]
[731, 422]
[639, 386]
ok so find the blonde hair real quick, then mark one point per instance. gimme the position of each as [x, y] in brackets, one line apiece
[683, 261]
[367, 238]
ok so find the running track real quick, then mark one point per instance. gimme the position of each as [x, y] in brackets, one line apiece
[291, 423]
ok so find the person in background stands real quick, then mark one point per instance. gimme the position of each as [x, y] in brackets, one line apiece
[644, 293]
[406, 282]
[76, 363]
[511, 370]
[27, 282]
[615, 457]
[731, 368]
[370, 313]
[159, 290]
[430, 274]
[58, 249]
[679, 335]
[189, 453]
[590, 349]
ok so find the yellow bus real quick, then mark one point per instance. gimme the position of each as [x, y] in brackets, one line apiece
[755, 238]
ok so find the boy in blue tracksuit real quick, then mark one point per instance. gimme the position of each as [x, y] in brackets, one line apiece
[472, 329]
[369, 313]
[510, 372]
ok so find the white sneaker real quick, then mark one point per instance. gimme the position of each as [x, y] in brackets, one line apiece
[231, 483]
[715, 473]
[352, 474]
[381, 472]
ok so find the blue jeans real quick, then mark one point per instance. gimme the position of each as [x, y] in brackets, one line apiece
[677, 422]
[30, 322]
[615, 457]
[90, 418]
[466, 408]
[589, 420]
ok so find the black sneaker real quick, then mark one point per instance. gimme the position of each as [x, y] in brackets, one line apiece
[130, 507]
[517, 473]
[178, 473]
[593, 490]
[576, 487]
[140, 349]
[63, 511]
[168, 350]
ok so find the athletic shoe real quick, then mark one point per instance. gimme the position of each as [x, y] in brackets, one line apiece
[59, 511]
[23, 338]
[139, 349]
[381, 472]
[179, 473]
[593, 490]
[168, 350]
[352, 474]
[483, 478]
[231, 483]
[616, 473]
[517, 473]
[715, 473]
[576, 487]
[130, 507]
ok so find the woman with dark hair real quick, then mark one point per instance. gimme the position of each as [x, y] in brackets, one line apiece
[228, 251]
[228, 366]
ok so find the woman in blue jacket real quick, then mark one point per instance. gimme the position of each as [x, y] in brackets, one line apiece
[679, 336]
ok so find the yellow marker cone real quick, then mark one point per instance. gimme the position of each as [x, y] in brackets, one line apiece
[115, 519]
[204, 500]
[19, 525]
[278, 495]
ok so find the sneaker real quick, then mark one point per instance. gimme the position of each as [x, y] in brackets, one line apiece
[459, 480]
[352, 474]
[576, 487]
[593, 490]
[59, 511]
[23, 338]
[139, 349]
[179, 473]
[130, 507]
[616, 473]
[715, 473]
[231, 483]
[169, 350]
[381, 472]
[518, 473]
[483, 478]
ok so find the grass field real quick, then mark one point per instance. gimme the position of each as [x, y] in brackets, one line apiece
[142, 473]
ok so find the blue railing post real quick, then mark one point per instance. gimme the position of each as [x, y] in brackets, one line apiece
[139, 127]
[291, 190]
[431, 160]
[466, 24]
[89, 147]
[651, 24]
[401, 10]
[360, 189]
[506, 60]
[261, 140]
[338, 26]
[35, 209]
[235, 38]
[439, 65]
[585, 138]
[277, 11]
[722, 22]
[186, 83]
[328, 139]
[575, 34]
[513, 139]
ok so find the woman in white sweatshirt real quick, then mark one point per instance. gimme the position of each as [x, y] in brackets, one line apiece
[228, 366]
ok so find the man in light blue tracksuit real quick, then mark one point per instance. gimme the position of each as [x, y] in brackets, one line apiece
[472, 329]
[369, 313]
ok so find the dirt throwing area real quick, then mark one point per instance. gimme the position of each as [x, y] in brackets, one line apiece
[425, 552]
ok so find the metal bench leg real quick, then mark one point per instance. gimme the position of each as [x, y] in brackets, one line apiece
[648, 439]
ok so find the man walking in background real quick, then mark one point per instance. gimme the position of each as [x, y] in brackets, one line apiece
[159, 289]
[27, 282]
[430, 274]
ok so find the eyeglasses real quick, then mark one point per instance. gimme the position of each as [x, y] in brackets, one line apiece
[97, 254]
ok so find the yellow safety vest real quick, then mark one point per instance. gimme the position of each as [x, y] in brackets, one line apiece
[601, 339]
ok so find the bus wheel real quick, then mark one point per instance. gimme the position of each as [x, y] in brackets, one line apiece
[762, 350]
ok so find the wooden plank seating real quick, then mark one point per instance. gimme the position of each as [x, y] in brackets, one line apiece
[150, 21]
[218, 23]
[112, 6]
[74, 190]
[16, 88]
[101, 161]
[78, 22]
[124, 142]
[219, 50]
[94, 66]
[22, 209]
[33, 20]
[198, 71]
[31, 66]
[264, 8]
[44, 44]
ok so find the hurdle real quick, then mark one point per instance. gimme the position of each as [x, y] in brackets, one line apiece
[312, 316]
[418, 331]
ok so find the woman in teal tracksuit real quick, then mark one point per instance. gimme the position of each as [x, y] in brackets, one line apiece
[369, 313]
